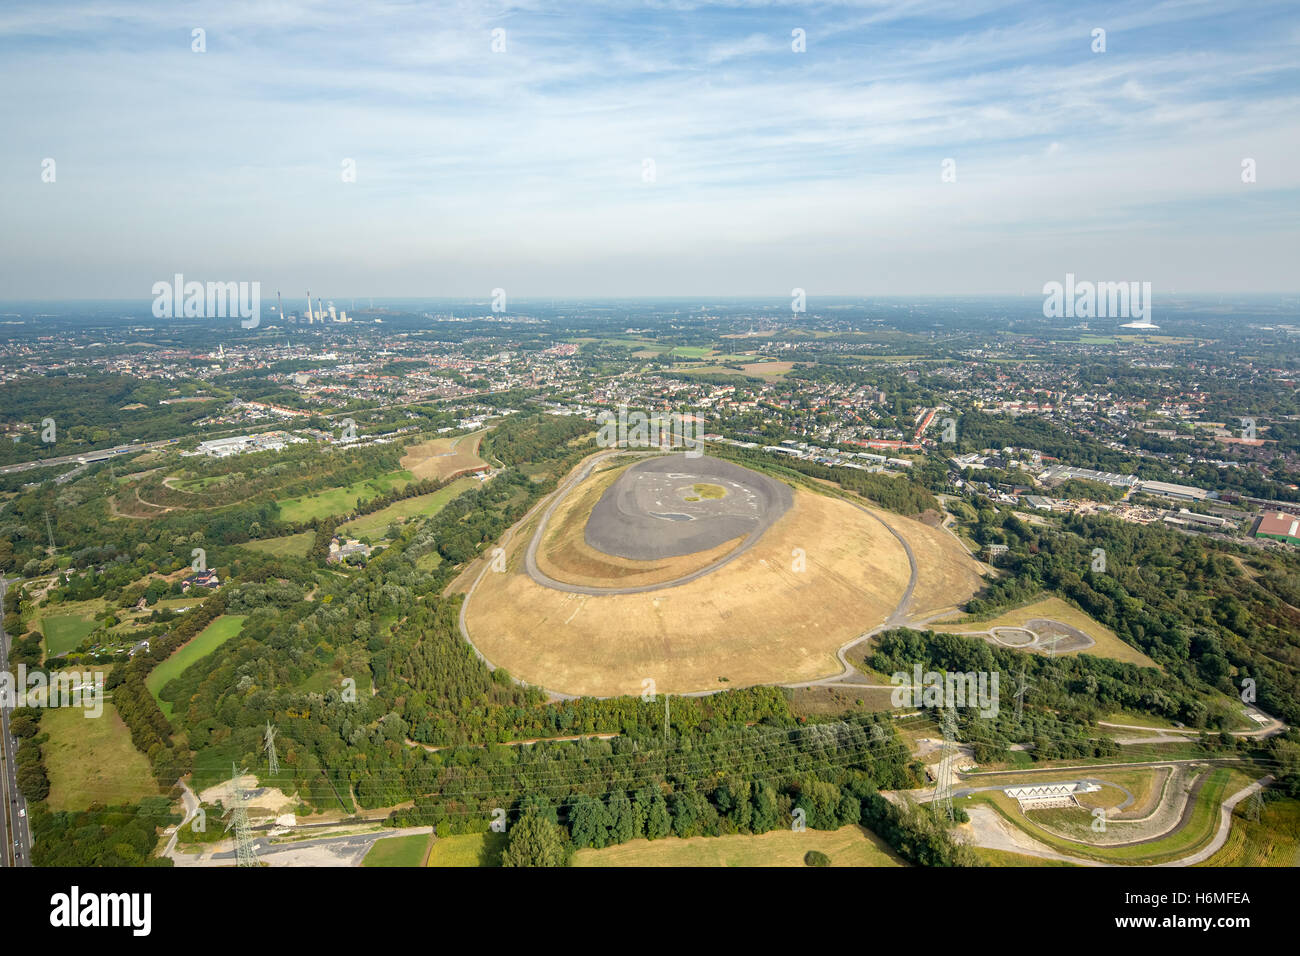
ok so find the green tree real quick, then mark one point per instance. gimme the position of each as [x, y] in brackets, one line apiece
[589, 823]
[766, 816]
[534, 841]
[658, 824]
[624, 816]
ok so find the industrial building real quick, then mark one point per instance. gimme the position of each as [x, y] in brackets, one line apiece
[1167, 490]
[239, 444]
[1279, 527]
[1062, 473]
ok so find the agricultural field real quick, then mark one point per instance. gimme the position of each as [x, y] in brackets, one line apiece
[676, 351]
[468, 849]
[849, 846]
[204, 643]
[92, 760]
[375, 525]
[444, 457]
[768, 371]
[337, 501]
[617, 341]
[398, 851]
[287, 546]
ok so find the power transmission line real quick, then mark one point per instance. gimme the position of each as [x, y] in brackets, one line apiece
[244, 853]
[270, 749]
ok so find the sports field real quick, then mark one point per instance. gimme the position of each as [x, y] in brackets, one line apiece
[64, 632]
[204, 643]
[849, 846]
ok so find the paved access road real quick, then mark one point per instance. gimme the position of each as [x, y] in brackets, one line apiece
[15, 833]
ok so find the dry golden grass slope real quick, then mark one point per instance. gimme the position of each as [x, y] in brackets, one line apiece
[443, 457]
[1053, 608]
[757, 620]
[850, 846]
[948, 575]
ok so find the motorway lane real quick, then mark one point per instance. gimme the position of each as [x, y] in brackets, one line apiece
[88, 457]
[13, 826]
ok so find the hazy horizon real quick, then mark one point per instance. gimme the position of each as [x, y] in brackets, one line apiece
[686, 146]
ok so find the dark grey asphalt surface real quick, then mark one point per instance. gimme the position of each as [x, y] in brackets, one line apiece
[647, 514]
[530, 556]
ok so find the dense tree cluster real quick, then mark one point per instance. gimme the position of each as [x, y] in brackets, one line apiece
[101, 836]
[1185, 604]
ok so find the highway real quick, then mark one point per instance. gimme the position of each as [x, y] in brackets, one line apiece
[103, 454]
[88, 457]
[15, 835]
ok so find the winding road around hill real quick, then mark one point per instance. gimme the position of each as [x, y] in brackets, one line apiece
[558, 498]
[897, 618]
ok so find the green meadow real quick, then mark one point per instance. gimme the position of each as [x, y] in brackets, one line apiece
[204, 643]
[336, 501]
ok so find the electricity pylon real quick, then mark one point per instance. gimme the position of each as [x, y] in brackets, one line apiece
[269, 744]
[1023, 685]
[943, 791]
[244, 853]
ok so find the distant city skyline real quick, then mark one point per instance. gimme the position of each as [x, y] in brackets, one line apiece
[526, 169]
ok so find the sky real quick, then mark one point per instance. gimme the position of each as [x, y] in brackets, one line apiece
[624, 149]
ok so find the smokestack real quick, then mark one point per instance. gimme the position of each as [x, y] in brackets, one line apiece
[309, 306]
[279, 306]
